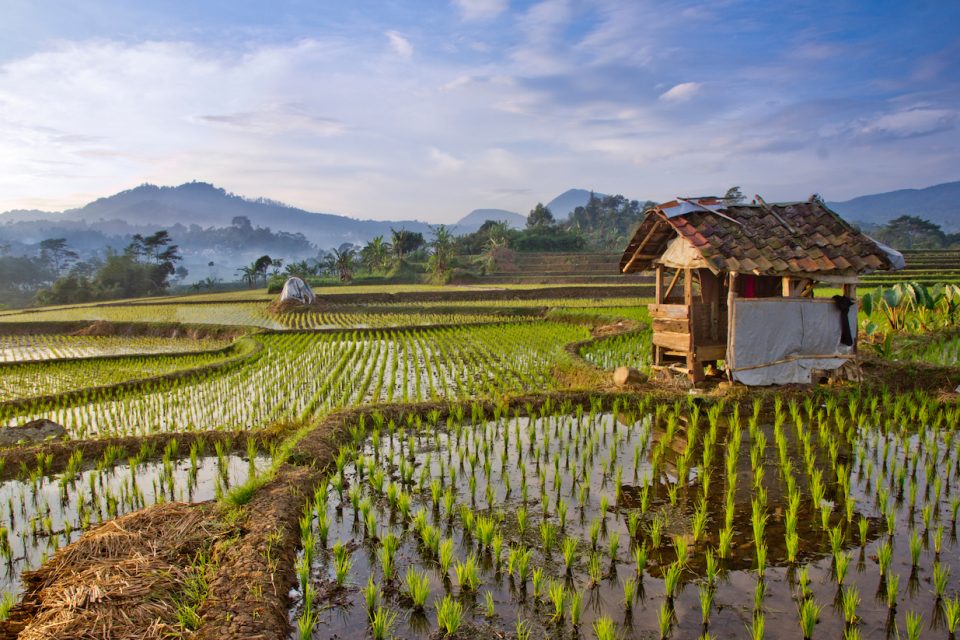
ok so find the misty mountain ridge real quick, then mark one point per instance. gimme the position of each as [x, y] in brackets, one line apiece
[939, 204]
[475, 219]
[564, 204]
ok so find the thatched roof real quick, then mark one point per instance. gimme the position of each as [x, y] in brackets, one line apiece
[795, 238]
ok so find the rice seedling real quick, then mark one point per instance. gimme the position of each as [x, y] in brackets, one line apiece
[941, 576]
[629, 592]
[892, 588]
[916, 548]
[840, 563]
[914, 625]
[569, 553]
[445, 556]
[757, 625]
[468, 576]
[705, 594]
[523, 630]
[951, 613]
[449, 615]
[809, 616]
[671, 579]
[851, 600]
[557, 596]
[664, 620]
[759, 594]
[381, 621]
[490, 609]
[594, 570]
[640, 559]
[537, 579]
[371, 594]
[613, 545]
[884, 555]
[418, 587]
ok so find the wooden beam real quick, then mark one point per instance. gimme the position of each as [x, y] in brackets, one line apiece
[731, 323]
[673, 341]
[659, 285]
[679, 311]
[787, 287]
[643, 243]
[676, 276]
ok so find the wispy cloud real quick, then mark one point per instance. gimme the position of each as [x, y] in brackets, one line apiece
[480, 9]
[400, 45]
[681, 92]
[396, 112]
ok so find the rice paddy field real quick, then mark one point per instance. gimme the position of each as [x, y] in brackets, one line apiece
[454, 463]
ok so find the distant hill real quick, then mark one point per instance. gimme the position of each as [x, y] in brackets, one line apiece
[473, 220]
[939, 203]
[202, 204]
[564, 204]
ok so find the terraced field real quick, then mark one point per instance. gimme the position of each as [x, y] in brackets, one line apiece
[425, 463]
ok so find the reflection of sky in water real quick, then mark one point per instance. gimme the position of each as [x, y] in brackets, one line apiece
[734, 591]
[28, 506]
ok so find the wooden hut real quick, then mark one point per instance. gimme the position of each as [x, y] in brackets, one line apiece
[735, 286]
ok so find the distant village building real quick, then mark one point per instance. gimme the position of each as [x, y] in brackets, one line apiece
[735, 283]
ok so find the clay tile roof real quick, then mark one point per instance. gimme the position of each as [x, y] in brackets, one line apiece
[801, 238]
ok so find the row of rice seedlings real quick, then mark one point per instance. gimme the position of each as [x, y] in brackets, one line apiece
[551, 466]
[251, 314]
[626, 350]
[349, 368]
[338, 319]
[19, 381]
[40, 512]
[21, 347]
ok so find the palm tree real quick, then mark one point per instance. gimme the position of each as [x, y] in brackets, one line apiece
[443, 251]
[343, 262]
[249, 275]
[374, 255]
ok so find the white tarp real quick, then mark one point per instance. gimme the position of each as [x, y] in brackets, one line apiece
[782, 340]
[895, 257]
[297, 290]
[680, 254]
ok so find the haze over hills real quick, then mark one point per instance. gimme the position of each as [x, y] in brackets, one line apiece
[473, 220]
[201, 218]
[939, 203]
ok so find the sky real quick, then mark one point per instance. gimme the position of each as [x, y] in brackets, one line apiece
[427, 110]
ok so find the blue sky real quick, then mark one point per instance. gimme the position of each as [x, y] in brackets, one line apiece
[431, 109]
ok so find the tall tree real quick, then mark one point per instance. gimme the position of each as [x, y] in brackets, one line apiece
[57, 254]
[374, 255]
[540, 216]
[734, 196]
[344, 261]
[405, 242]
[442, 251]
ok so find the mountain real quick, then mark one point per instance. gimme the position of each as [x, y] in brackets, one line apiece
[939, 203]
[200, 218]
[473, 220]
[564, 204]
[199, 203]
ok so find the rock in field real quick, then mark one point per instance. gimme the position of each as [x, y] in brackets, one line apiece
[625, 375]
[33, 431]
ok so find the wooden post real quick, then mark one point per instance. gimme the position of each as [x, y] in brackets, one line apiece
[694, 367]
[658, 298]
[731, 297]
[787, 287]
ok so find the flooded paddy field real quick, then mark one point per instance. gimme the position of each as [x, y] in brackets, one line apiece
[41, 512]
[21, 348]
[828, 520]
